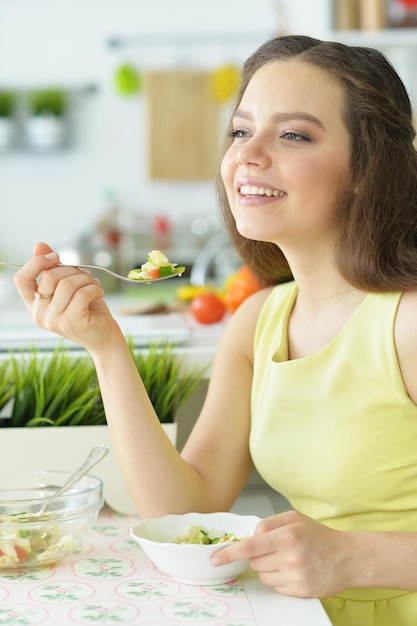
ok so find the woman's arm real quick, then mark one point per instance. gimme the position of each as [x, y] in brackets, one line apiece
[215, 463]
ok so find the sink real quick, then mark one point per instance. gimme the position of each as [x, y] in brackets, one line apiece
[216, 260]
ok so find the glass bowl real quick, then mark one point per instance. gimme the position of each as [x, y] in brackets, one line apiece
[32, 534]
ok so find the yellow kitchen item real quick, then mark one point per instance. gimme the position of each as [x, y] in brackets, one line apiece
[186, 293]
[225, 82]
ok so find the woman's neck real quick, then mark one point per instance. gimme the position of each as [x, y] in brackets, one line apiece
[320, 285]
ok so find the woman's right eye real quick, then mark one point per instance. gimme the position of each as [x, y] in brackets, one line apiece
[238, 133]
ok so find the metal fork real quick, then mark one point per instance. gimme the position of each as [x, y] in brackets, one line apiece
[137, 281]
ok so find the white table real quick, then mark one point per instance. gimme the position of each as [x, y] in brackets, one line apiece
[110, 580]
[273, 609]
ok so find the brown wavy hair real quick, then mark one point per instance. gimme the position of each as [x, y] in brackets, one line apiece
[376, 247]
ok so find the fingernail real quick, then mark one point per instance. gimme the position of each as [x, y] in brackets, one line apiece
[51, 255]
[214, 560]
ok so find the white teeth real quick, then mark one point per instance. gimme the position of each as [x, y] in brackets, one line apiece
[252, 190]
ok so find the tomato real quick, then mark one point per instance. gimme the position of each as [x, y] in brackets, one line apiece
[153, 273]
[22, 554]
[207, 308]
[240, 286]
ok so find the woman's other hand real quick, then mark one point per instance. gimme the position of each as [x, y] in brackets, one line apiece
[296, 555]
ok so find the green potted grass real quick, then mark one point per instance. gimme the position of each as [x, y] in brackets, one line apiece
[47, 113]
[7, 122]
[52, 413]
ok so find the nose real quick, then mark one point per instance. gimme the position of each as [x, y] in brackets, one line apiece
[254, 151]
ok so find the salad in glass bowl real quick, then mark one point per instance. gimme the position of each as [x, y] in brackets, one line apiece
[32, 534]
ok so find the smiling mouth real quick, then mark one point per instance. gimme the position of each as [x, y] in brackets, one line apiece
[252, 190]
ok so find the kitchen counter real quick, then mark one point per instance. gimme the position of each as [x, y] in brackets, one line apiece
[195, 343]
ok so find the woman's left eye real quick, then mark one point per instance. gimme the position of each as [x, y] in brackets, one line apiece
[291, 136]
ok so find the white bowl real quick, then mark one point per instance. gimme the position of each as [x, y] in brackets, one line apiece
[189, 563]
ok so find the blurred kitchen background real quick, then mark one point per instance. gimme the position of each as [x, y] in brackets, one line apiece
[127, 175]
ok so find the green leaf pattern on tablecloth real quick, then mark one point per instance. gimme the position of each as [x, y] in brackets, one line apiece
[195, 609]
[126, 546]
[26, 575]
[108, 530]
[62, 592]
[234, 588]
[103, 568]
[21, 615]
[149, 589]
[104, 613]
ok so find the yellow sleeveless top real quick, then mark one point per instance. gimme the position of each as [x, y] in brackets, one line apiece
[336, 434]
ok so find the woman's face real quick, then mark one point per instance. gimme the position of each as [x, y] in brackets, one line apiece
[289, 163]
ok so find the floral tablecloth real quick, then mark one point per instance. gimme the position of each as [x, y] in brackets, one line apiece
[110, 580]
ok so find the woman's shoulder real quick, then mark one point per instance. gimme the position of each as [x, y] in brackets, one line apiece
[406, 321]
[253, 305]
[409, 298]
[406, 340]
[241, 328]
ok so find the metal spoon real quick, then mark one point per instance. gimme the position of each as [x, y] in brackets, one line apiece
[177, 272]
[97, 454]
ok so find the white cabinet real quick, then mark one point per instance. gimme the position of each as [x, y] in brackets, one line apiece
[317, 20]
[398, 44]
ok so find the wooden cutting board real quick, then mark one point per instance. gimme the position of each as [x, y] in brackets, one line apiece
[183, 123]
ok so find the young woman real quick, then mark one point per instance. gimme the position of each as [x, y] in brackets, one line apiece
[319, 194]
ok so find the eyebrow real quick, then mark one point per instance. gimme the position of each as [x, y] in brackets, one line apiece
[284, 117]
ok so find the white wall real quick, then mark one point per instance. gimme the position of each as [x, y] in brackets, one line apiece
[58, 196]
